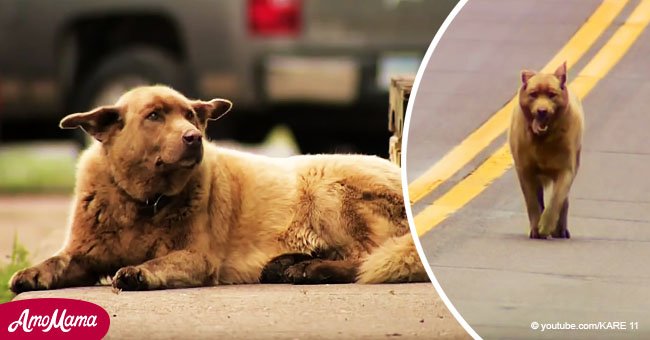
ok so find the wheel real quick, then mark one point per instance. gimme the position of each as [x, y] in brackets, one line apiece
[122, 71]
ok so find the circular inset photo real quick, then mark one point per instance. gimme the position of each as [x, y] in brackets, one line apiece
[526, 158]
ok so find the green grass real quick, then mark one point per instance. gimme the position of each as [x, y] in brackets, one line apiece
[36, 169]
[18, 261]
[49, 166]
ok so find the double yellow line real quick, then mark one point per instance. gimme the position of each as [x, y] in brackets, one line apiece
[500, 161]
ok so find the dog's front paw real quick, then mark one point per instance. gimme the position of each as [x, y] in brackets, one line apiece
[534, 234]
[546, 225]
[131, 278]
[32, 278]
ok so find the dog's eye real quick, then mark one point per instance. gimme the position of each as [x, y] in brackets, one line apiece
[551, 95]
[533, 94]
[153, 116]
[189, 114]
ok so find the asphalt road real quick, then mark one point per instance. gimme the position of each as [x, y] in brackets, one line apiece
[401, 311]
[499, 280]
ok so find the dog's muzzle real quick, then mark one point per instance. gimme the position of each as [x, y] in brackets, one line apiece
[193, 138]
[540, 121]
[193, 154]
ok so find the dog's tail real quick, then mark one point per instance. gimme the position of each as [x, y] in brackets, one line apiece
[395, 261]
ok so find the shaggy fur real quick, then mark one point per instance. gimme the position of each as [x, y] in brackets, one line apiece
[545, 139]
[157, 207]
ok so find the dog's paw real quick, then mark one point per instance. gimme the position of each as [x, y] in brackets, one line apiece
[131, 278]
[547, 226]
[319, 271]
[29, 279]
[561, 233]
[305, 272]
[534, 234]
[274, 270]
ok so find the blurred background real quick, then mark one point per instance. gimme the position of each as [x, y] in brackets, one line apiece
[319, 67]
[305, 76]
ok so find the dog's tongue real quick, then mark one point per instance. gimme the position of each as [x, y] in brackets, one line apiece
[539, 128]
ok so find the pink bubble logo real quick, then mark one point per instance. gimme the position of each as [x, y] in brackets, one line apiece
[52, 318]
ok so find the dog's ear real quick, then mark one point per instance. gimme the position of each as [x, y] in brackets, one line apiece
[560, 73]
[525, 76]
[211, 110]
[98, 122]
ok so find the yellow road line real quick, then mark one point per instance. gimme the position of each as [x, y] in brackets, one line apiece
[500, 161]
[464, 152]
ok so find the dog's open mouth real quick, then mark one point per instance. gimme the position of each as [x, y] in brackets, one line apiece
[539, 127]
[187, 162]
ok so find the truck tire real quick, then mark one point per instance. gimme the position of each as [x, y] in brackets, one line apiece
[122, 71]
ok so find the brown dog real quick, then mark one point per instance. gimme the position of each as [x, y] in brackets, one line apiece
[545, 140]
[156, 207]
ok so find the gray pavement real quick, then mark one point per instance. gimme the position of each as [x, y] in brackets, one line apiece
[403, 311]
[498, 279]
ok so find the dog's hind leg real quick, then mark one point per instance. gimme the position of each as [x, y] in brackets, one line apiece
[562, 230]
[540, 198]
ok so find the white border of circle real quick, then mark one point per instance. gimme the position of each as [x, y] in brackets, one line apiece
[409, 212]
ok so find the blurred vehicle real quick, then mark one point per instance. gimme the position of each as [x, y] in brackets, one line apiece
[320, 66]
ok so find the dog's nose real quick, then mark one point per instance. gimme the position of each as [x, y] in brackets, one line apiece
[192, 137]
[541, 113]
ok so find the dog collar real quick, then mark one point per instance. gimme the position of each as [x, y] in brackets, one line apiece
[152, 206]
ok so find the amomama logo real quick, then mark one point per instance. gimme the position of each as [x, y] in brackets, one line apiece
[52, 319]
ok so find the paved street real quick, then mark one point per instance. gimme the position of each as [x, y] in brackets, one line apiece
[274, 312]
[497, 278]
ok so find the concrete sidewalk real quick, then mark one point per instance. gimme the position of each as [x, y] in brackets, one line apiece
[404, 311]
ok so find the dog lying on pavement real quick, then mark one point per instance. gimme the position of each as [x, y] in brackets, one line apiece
[157, 207]
[545, 139]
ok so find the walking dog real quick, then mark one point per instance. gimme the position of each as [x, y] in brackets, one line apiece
[545, 139]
